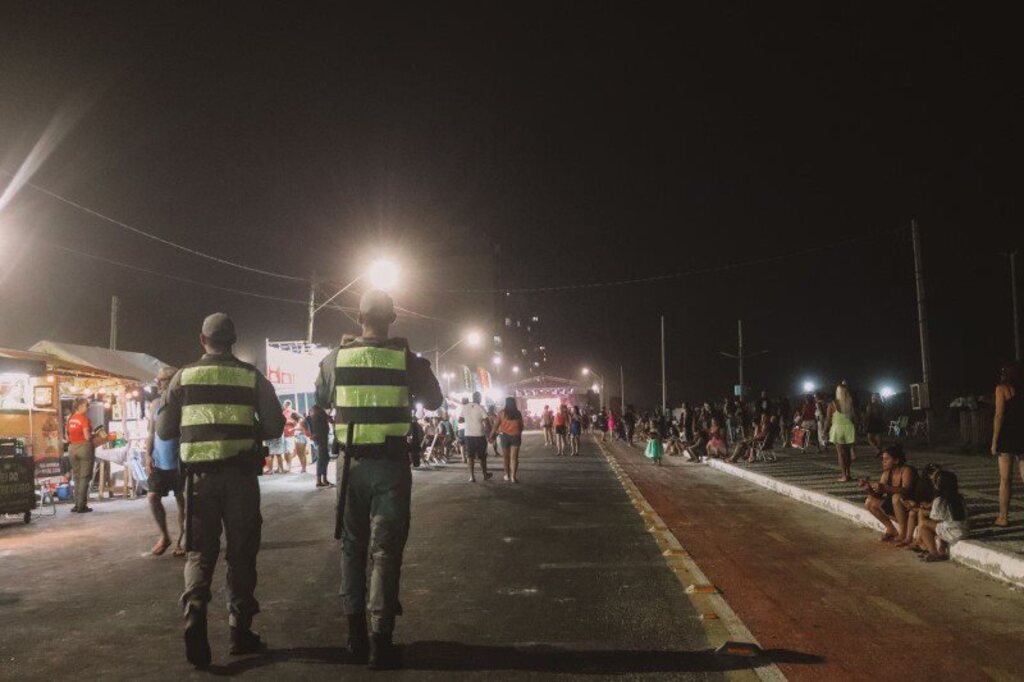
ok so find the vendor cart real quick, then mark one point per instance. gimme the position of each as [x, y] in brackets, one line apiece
[17, 479]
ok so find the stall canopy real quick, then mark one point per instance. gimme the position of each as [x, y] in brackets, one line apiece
[138, 366]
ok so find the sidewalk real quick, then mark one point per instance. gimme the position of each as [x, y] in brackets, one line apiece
[811, 478]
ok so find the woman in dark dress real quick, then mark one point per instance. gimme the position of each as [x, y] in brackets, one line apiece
[1008, 433]
[875, 422]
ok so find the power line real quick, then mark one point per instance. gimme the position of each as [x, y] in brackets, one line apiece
[176, 278]
[143, 233]
[671, 275]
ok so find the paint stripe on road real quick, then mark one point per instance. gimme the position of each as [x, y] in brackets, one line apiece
[716, 614]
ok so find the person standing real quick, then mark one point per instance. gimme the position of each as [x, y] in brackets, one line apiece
[874, 419]
[476, 426]
[319, 424]
[842, 416]
[372, 382]
[220, 408]
[509, 431]
[547, 420]
[163, 469]
[1008, 433]
[821, 417]
[575, 430]
[629, 423]
[561, 422]
[81, 453]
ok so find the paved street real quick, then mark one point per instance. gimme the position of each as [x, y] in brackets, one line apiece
[555, 577]
[803, 579]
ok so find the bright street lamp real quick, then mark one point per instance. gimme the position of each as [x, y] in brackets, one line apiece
[497, 360]
[473, 338]
[886, 392]
[600, 393]
[515, 369]
[383, 274]
[809, 387]
[595, 388]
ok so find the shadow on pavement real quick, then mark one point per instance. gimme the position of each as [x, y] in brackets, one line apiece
[454, 656]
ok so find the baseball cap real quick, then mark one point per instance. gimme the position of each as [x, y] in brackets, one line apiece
[219, 327]
[377, 303]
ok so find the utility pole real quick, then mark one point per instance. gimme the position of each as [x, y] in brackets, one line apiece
[664, 387]
[922, 325]
[740, 356]
[1016, 313]
[622, 391]
[312, 307]
[437, 358]
[115, 305]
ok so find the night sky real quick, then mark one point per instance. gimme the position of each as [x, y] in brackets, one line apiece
[596, 142]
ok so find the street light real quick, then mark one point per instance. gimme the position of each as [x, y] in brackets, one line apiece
[383, 274]
[809, 387]
[497, 360]
[600, 394]
[886, 392]
[515, 369]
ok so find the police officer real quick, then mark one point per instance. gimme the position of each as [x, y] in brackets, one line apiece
[221, 409]
[372, 381]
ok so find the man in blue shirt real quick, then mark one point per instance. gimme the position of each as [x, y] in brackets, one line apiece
[162, 467]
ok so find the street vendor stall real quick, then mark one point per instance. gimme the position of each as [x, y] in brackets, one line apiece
[117, 399]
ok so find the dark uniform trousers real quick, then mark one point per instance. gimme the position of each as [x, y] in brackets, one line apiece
[376, 529]
[230, 497]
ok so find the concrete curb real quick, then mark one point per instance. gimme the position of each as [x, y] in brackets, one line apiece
[999, 565]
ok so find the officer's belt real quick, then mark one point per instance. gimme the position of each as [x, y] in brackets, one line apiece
[244, 459]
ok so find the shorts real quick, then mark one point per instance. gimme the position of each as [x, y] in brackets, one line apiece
[506, 441]
[560, 430]
[887, 506]
[476, 447]
[163, 481]
[275, 446]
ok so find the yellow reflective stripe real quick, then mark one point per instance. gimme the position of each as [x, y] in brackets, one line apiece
[369, 356]
[371, 396]
[215, 450]
[195, 415]
[371, 434]
[218, 375]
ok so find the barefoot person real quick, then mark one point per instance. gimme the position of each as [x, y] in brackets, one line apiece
[842, 432]
[885, 499]
[163, 469]
[1008, 433]
[946, 524]
[509, 431]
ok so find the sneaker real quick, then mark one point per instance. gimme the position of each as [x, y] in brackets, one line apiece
[74, 510]
[85, 510]
[358, 639]
[384, 655]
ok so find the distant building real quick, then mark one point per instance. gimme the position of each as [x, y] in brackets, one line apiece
[519, 337]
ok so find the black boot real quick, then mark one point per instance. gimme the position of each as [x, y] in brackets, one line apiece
[358, 641]
[383, 653]
[197, 645]
[245, 641]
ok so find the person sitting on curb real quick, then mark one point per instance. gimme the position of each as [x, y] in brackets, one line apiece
[696, 450]
[885, 500]
[946, 523]
[716, 440]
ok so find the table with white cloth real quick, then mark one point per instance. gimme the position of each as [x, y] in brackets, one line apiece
[127, 458]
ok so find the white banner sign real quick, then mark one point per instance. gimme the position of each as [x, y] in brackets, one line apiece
[291, 372]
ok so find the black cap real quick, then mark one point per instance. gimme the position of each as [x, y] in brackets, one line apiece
[219, 328]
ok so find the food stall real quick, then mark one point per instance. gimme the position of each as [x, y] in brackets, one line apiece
[26, 416]
[117, 385]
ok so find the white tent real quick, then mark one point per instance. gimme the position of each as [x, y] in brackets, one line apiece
[138, 366]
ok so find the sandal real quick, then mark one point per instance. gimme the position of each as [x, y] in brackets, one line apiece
[160, 547]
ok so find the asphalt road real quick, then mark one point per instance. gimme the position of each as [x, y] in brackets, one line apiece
[553, 578]
[804, 580]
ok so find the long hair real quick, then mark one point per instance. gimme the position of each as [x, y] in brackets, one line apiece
[844, 400]
[511, 409]
[949, 490]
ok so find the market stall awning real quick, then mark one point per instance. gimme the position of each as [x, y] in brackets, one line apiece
[138, 366]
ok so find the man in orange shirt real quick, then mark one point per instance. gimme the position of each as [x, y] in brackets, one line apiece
[81, 453]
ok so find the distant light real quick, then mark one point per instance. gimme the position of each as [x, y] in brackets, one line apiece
[595, 388]
[383, 274]
[419, 355]
[809, 387]
[50, 378]
[497, 360]
[495, 393]
[515, 369]
[474, 338]
[586, 371]
[887, 392]
[536, 364]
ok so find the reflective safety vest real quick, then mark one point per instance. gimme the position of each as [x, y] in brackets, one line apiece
[218, 411]
[371, 390]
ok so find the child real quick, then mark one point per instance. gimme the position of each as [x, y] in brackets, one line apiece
[947, 523]
[654, 450]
